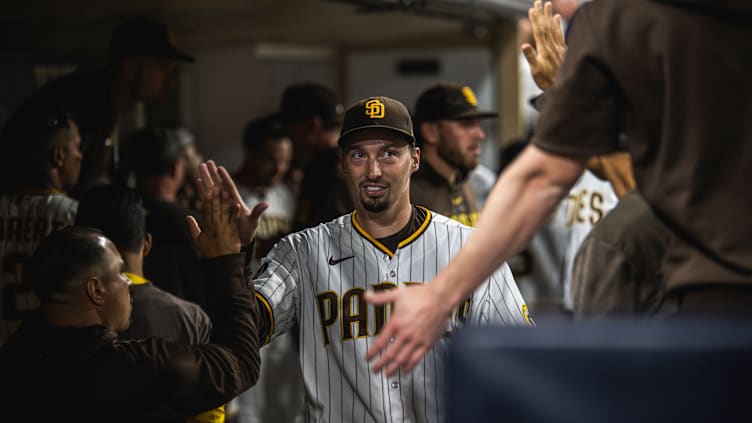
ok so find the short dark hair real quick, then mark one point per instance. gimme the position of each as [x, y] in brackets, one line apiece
[262, 129]
[153, 151]
[31, 128]
[61, 257]
[308, 100]
[34, 123]
[117, 211]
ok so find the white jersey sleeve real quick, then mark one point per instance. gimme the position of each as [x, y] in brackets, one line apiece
[498, 302]
[276, 283]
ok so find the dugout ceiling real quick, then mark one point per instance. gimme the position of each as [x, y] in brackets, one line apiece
[82, 27]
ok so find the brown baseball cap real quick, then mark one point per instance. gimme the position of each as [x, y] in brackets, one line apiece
[144, 37]
[377, 112]
[448, 101]
[310, 99]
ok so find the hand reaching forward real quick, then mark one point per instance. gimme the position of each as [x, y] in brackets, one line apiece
[417, 321]
[220, 233]
[549, 41]
[248, 220]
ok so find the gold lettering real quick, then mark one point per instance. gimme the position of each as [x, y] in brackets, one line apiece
[357, 315]
[581, 204]
[596, 204]
[327, 302]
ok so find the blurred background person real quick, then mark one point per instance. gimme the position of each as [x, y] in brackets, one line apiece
[278, 396]
[267, 153]
[188, 193]
[311, 115]
[142, 64]
[41, 160]
[159, 167]
[448, 131]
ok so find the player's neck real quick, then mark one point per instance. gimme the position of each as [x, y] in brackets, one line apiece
[134, 263]
[157, 188]
[388, 222]
[441, 166]
[70, 315]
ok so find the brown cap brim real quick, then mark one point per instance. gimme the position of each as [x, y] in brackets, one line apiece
[480, 114]
[347, 134]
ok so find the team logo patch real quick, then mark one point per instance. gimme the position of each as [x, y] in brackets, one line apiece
[374, 109]
[526, 315]
[470, 96]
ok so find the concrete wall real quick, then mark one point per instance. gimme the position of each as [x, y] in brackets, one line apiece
[226, 88]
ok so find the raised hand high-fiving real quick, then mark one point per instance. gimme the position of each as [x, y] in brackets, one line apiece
[546, 57]
[213, 176]
[219, 236]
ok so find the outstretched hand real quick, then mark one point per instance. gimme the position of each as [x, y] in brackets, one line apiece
[220, 233]
[546, 57]
[418, 319]
[217, 176]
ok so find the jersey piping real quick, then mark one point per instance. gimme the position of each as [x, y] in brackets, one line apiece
[402, 243]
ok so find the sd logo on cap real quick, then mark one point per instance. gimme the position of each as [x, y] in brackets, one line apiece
[377, 112]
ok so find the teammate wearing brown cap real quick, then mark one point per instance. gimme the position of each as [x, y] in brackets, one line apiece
[142, 66]
[450, 136]
[316, 279]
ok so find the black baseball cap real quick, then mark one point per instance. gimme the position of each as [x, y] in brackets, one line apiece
[144, 37]
[448, 101]
[309, 99]
[377, 112]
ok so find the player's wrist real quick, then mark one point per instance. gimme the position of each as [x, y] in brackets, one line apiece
[445, 297]
[247, 247]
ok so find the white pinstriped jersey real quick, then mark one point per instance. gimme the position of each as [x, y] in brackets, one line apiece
[316, 279]
[24, 220]
[588, 201]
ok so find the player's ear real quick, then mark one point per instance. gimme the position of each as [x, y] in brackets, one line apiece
[96, 291]
[416, 158]
[430, 132]
[57, 155]
[147, 245]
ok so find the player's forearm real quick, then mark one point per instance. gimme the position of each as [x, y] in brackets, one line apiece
[518, 205]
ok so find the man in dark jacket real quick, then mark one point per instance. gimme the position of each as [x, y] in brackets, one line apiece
[67, 357]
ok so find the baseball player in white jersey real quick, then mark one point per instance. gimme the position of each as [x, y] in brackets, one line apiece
[316, 279]
[588, 201]
[33, 204]
[547, 263]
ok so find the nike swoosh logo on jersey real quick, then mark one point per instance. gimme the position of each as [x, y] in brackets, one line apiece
[332, 261]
